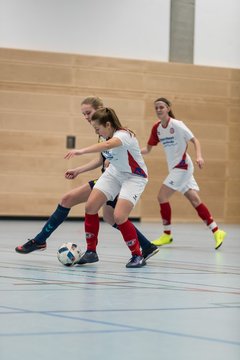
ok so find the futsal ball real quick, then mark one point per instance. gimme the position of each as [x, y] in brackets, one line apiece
[68, 254]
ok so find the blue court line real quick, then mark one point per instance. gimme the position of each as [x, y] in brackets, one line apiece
[183, 265]
[215, 306]
[66, 333]
[112, 277]
[121, 326]
[170, 284]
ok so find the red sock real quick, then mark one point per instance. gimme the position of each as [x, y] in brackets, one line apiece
[91, 230]
[205, 215]
[130, 237]
[166, 213]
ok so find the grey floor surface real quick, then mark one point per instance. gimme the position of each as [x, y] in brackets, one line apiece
[185, 304]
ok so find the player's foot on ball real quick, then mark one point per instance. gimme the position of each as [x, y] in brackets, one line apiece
[30, 246]
[88, 257]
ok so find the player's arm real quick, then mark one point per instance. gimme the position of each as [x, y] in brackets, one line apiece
[197, 147]
[152, 141]
[146, 149]
[103, 146]
[94, 164]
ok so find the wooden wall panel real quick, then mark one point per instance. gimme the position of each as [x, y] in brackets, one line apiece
[233, 167]
[36, 102]
[204, 87]
[35, 122]
[40, 104]
[191, 71]
[38, 57]
[36, 73]
[234, 114]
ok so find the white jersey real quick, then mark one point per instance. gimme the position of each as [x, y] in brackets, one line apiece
[126, 158]
[174, 138]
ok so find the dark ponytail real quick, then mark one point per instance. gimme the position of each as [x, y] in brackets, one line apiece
[105, 115]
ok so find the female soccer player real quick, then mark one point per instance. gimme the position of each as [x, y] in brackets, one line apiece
[80, 195]
[126, 176]
[174, 136]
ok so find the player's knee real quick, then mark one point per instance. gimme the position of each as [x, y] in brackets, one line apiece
[195, 202]
[90, 208]
[108, 219]
[162, 199]
[66, 201]
[120, 218]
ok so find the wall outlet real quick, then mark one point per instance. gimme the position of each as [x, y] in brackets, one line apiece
[70, 142]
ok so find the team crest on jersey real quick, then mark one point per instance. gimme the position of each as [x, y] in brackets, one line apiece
[171, 131]
[108, 155]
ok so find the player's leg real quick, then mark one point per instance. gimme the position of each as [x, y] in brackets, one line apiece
[206, 216]
[70, 199]
[95, 201]
[148, 249]
[163, 197]
[131, 190]
[76, 196]
[121, 214]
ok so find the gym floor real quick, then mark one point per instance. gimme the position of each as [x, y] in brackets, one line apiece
[185, 304]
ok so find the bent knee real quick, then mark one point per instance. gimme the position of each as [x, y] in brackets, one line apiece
[91, 208]
[67, 200]
[195, 202]
[194, 199]
[120, 218]
[162, 196]
[108, 219]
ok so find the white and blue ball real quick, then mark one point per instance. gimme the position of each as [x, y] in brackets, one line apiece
[68, 254]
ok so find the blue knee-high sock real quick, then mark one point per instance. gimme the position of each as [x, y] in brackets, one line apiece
[144, 242]
[53, 222]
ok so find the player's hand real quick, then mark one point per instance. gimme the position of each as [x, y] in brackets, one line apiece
[72, 153]
[71, 174]
[200, 162]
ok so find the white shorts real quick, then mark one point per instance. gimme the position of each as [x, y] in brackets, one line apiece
[126, 186]
[181, 180]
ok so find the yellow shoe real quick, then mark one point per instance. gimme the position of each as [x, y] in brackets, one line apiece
[219, 236]
[164, 239]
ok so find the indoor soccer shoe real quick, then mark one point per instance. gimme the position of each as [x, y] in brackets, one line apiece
[219, 236]
[150, 251]
[30, 246]
[164, 239]
[136, 261]
[88, 257]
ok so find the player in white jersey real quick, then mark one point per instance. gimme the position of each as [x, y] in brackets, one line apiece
[80, 195]
[174, 135]
[126, 175]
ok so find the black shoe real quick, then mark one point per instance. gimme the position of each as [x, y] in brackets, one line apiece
[30, 246]
[136, 261]
[88, 257]
[150, 251]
